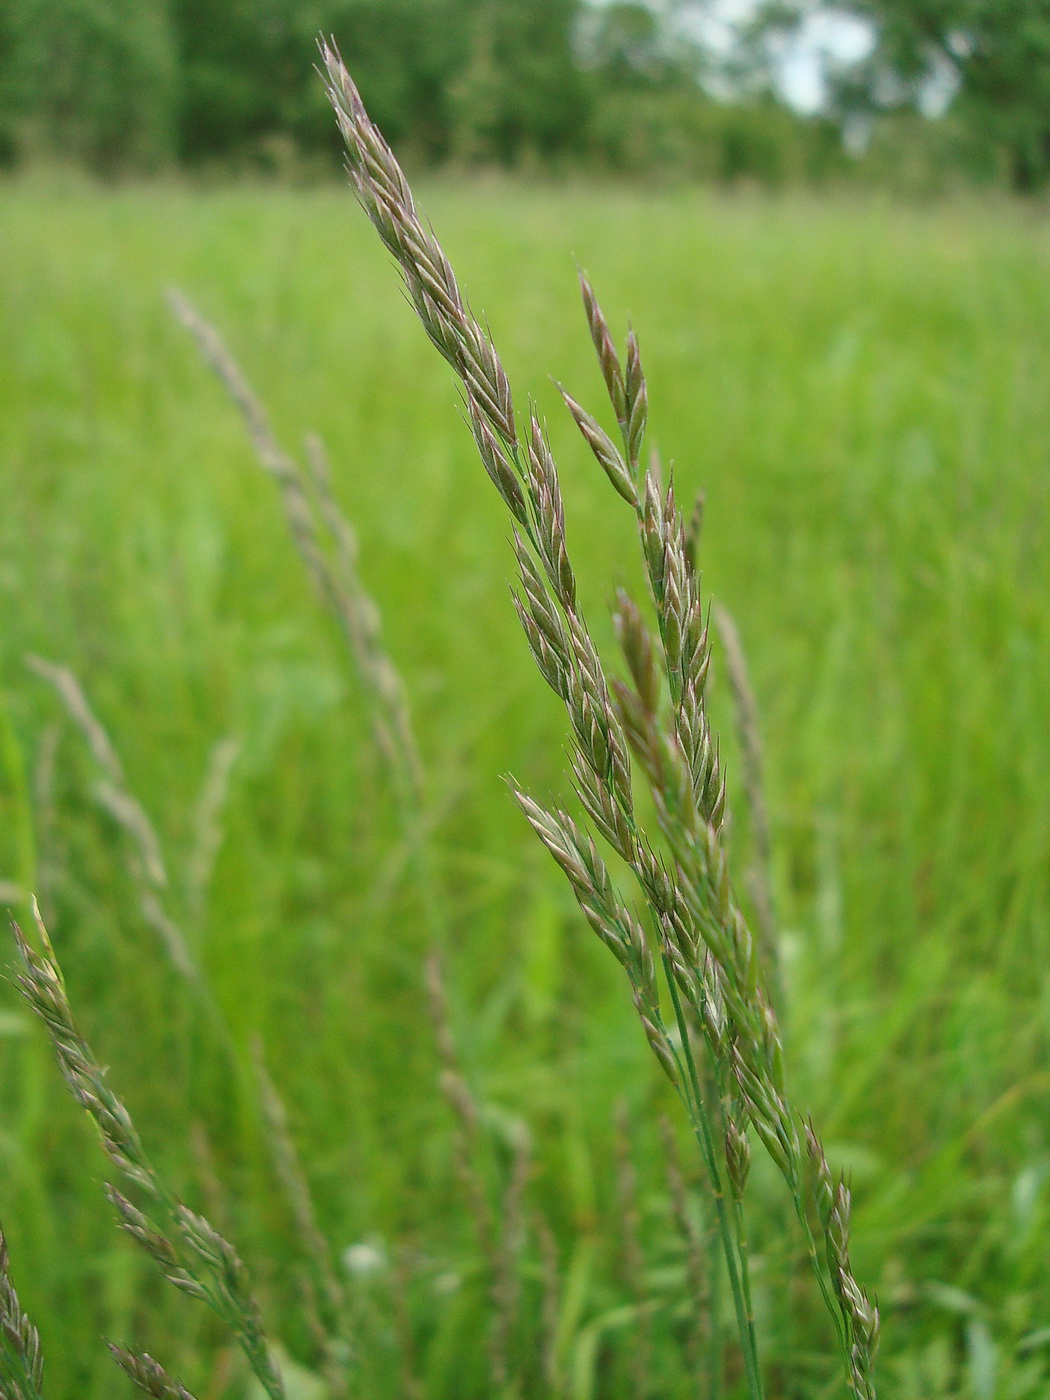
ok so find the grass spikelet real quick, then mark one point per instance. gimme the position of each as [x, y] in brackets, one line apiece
[550, 1308]
[500, 1233]
[149, 1375]
[333, 566]
[146, 866]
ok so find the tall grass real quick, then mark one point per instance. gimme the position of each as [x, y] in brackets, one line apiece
[712, 969]
[876, 520]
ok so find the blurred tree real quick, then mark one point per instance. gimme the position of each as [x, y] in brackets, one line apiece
[653, 114]
[630, 44]
[91, 79]
[521, 92]
[125, 84]
[994, 55]
[486, 78]
[248, 70]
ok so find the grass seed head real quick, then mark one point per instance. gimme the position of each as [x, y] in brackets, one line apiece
[149, 1375]
[21, 1359]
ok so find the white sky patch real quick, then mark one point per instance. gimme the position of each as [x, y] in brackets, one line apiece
[825, 41]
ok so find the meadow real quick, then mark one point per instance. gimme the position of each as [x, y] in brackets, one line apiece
[860, 387]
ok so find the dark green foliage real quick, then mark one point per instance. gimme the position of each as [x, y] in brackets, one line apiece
[1000, 51]
[124, 84]
[651, 114]
[492, 79]
[522, 90]
[995, 52]
[117, 83]
[91, 79]
[686, 133]
[248, 69]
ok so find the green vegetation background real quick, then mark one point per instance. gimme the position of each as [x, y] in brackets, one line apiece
[861, 389]
[121, 86]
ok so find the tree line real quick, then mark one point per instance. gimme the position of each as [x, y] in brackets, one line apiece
[138, 85]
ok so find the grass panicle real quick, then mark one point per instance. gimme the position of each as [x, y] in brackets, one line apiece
[328, 546]
[145, 860]
[710, 962]
[148, 870]
[189, 1251]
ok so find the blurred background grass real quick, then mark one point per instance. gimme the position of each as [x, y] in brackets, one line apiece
[861, 389]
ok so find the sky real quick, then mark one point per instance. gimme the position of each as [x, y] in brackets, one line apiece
[801, 64]
[825, 36]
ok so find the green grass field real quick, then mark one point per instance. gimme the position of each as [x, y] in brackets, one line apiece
[862, 389]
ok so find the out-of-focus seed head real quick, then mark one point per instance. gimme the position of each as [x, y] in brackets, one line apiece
[637, 648]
